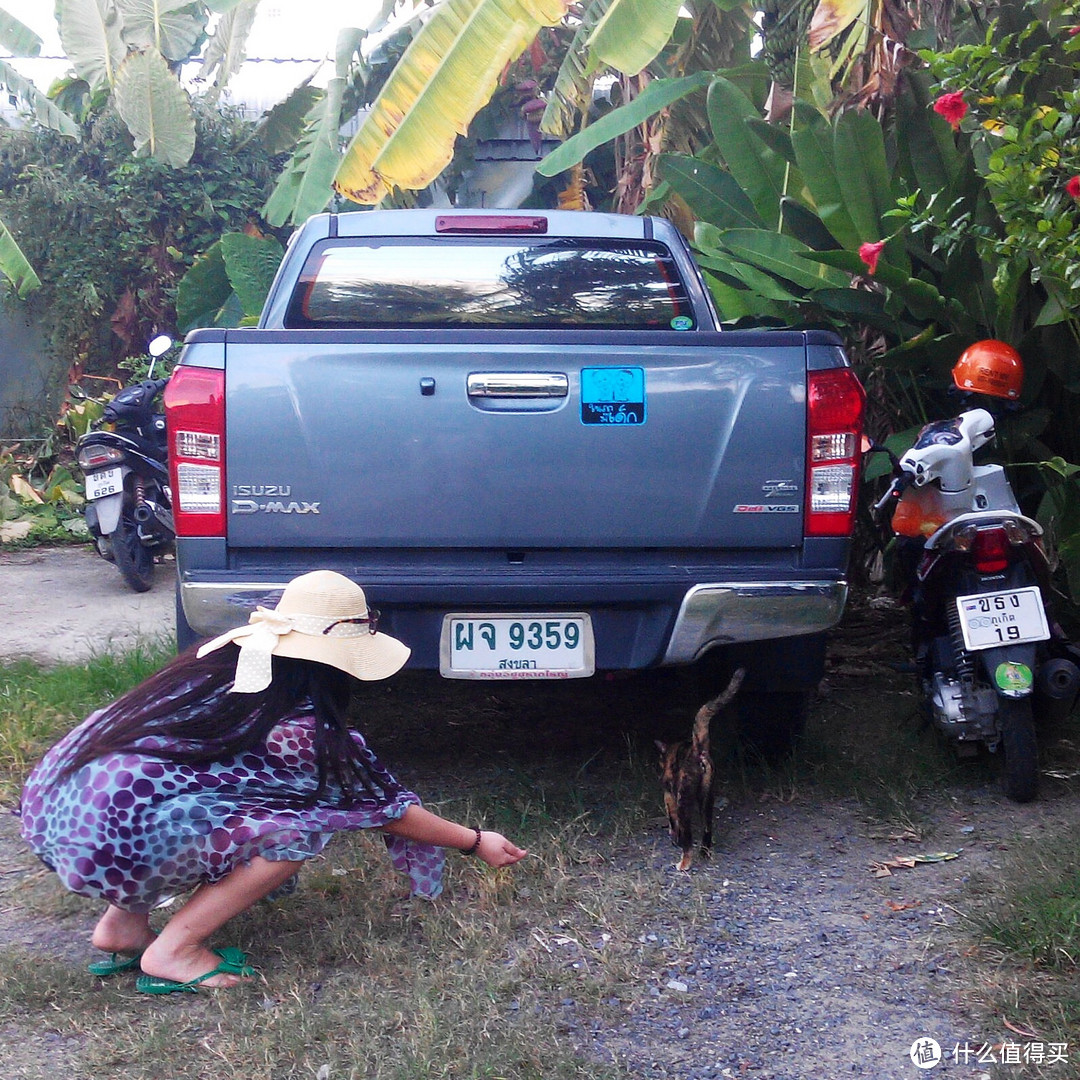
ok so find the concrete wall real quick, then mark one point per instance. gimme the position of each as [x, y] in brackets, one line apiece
[25, 370]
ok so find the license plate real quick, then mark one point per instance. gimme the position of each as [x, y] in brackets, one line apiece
[105, 482]
[1009, 617]
[517, 646]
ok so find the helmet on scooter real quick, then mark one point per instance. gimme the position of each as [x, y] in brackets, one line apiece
[990, 367]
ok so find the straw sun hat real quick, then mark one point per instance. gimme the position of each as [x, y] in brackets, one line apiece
[321, 616]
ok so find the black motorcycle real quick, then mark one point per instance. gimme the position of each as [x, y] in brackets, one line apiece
[124, 463]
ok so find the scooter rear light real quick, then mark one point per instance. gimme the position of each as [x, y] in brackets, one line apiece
[94, 457]
[835, 404]
[990, 550]
[195, 417]
[964, 537]
[1018, 533]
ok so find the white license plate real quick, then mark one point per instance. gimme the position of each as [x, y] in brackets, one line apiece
[105, 482]
[1009, 617]
[517, 646]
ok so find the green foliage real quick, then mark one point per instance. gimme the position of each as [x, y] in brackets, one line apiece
[228, 284]
[110, 234]
[40, 499]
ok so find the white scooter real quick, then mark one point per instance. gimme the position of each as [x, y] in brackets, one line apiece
[986, 648]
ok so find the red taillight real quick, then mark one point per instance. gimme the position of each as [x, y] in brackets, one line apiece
[990, 551]
[489, 223]
[836, 402]
[195, 416]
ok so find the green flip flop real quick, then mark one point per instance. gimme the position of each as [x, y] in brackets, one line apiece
[116, 964]
[233, 962]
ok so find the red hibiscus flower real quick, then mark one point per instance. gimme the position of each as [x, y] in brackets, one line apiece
[1072, 187]
[870, 253]
[952, 107]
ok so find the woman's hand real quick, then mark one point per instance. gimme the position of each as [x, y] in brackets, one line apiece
[496, 850]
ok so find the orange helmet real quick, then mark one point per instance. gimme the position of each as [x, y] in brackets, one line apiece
[990, 367]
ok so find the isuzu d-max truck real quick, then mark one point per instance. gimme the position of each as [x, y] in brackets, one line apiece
[524, 434]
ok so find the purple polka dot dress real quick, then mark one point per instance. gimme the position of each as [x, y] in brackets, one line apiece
[134, 829]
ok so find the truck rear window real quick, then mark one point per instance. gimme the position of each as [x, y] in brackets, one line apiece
[534, 283]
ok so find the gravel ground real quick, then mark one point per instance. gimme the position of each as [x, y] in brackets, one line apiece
[809, 965]
[785, 958]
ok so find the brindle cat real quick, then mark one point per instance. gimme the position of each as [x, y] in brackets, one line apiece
[686, 772]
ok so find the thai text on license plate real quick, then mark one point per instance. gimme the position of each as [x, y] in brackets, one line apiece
[1009, 617]
[517, 646]
[105, 482]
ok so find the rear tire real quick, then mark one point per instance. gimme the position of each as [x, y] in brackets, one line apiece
[773, 722]
[1019, 750]
[133, 559]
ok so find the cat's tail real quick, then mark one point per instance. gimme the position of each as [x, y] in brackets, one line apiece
[707, 711]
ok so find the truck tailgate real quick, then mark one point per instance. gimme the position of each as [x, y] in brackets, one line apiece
[367, 439]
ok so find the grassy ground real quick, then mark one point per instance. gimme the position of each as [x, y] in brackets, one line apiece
[359, 981]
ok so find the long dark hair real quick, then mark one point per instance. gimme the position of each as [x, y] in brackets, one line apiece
[188, 701]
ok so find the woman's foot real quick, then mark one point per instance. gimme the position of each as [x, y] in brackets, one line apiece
[187, 963]
[124, 932]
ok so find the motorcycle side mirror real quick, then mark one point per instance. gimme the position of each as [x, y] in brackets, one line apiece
[159, 346]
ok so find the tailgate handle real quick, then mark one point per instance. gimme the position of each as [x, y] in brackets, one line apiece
[518, 384]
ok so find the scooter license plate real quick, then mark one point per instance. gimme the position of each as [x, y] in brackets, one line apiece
[105, 482]
[1009, 617]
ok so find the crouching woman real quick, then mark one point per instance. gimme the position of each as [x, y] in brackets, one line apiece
[223, 773]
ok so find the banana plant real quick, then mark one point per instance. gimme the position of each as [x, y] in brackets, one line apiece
[452, 67]
[20, 40]
[783, 215]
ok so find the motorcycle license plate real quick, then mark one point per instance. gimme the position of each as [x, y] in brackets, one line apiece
[517, 646]
[1009, 617]
[105, 482]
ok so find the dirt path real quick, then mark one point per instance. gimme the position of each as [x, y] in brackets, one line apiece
[67, 603]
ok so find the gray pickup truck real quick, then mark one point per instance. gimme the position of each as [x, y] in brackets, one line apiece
[525, 436]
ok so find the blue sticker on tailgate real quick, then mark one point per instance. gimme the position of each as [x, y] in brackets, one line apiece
[613, 395]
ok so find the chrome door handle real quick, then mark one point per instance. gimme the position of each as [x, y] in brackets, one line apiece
[518, 384]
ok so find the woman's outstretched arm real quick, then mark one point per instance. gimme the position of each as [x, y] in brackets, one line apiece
[428, 828]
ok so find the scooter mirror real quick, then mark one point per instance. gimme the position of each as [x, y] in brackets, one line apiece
[159, 346]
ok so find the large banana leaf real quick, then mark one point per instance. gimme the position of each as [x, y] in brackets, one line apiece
[45, 111]
[251, 263]
[571, 93]
[832, 17]
[155, 109]
[16, 38]
[172, 27]
[304, 186]
[863, 172]
[782, 256]
[225, 51]
[815, 153]
[760, 171]
[711, 193]
[445, 76]
[926, 141]
[90, 34]
[14, 265]
[282, 128]
[632, 32]
[922, 299]
[656, 96]
[203, 291]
